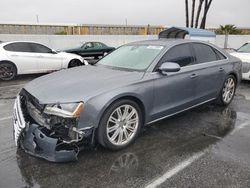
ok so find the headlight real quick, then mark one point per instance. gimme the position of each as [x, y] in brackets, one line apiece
[69, 110]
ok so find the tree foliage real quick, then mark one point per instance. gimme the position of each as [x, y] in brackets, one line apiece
[228, 29]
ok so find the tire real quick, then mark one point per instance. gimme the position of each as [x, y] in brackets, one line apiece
[8, 71]
[104, 54]
[130, 127]
[228, 91]
[74, 63]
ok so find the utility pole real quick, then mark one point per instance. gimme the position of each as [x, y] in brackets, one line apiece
[37, 18]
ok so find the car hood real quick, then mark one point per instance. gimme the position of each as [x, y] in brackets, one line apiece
[79, 84]
[71, 49]
[69, 55]
[244, 57]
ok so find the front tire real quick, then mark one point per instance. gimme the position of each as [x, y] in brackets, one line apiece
[227, 93]
[120, 125]
[74, 63]
[8, 71]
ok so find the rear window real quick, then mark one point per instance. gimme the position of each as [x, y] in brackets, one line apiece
[204, 53]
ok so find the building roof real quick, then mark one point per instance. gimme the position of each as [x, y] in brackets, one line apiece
[181, 32]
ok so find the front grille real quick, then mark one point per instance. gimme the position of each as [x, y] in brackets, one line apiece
[32, 108]
[18, 120]
[245, 67]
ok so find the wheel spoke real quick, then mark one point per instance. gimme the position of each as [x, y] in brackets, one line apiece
[112, 129]
[125, 134]
[120, 136]
[119, 113]
[114, 136]
[131, 121]
[130, 128]
[113, 120]
[130, 115]
[125, 113]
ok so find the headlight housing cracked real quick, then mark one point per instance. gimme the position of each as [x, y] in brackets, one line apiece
[67, 110]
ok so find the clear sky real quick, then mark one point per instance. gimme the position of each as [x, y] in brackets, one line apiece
[137, 12]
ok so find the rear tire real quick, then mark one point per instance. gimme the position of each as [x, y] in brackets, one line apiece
[228, 91]
[74, 63]
[120, 125]
[8, 71]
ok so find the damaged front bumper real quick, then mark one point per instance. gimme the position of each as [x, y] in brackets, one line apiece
[39, 141]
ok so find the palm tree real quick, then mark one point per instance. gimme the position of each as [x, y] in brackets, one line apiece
[198, 13]
[206, 8]
[187, 14]
[226, 30]
[193, 9]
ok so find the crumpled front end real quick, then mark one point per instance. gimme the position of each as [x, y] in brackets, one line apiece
[47, 136]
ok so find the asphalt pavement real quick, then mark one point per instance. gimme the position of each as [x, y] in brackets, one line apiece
[208, 146]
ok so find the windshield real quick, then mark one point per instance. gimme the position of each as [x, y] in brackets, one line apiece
[245, 48]
[135, 57]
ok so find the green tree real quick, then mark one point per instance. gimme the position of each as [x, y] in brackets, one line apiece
[227, 30]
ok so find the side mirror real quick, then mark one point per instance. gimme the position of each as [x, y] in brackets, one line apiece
[169, 67]
[53, 51]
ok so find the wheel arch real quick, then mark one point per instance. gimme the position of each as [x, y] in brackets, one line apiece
[74, 59]
[235, 76]
[133, 98]
[137, 101]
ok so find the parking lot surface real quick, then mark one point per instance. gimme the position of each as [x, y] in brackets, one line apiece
[208, 146]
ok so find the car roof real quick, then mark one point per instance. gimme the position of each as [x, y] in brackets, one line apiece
[11, 42]
[165, 42]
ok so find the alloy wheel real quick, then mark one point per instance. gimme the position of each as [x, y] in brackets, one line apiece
[7, 71]
[122, 125]
[228, 90]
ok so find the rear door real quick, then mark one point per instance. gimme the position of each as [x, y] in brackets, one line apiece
[174, 92]
[47, 59]
[21, 54]
[209, 73]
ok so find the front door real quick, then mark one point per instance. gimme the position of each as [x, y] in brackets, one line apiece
[46, 58]
[174, 91]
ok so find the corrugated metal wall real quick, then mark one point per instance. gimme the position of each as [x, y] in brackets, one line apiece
[80, 29]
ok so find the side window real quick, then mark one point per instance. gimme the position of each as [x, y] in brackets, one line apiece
[88, 45]
[204, 53]
[18, 47]
[220, 56]
[97, 45]
[180, 54]
[38, 48]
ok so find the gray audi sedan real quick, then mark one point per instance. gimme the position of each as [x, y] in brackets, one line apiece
[58, 115]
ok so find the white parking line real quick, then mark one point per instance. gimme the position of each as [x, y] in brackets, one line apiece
[5, 118]
[175, 170]
[11, 86]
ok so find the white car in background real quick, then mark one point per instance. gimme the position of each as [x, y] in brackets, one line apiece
[29, 57]
[243, 53]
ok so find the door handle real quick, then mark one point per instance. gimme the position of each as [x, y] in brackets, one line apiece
[193, 76]
[40, 56]
[14, 55]
[221, 69]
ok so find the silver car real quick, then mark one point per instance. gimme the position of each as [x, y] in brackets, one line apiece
[57, 115]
